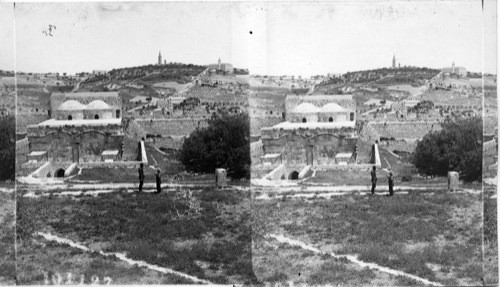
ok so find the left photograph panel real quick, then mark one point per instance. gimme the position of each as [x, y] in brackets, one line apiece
[7, 146]
[133, 144]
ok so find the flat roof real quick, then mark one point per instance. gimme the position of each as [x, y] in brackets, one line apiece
[314, 125]
[90, 94]
[271, 155]
[344, 154]
[37, 153]
[60, 123]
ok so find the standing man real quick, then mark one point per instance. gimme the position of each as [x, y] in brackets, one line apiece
[390, 180]
[158, 181]
[374, 179]
[141, 177]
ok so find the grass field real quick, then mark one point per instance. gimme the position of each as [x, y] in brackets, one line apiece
[213, 244]
[490, 236]
[168, 163]
[433, 236]
[7, 239]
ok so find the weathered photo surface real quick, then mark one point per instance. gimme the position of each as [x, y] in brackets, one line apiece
[367, 144]
[134, 155]
[7, 147]
[275, 144]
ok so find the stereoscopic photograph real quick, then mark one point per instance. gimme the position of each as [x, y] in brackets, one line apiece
[289, 143]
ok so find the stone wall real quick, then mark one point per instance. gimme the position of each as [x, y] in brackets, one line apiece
[134, 130]
[71, 143]
[403, 130]
[171, 127]
[22, 121]
[399, 145]
[257, 123]
[309, 146]
[168, 142]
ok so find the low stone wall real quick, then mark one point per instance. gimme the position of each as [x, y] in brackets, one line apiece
[167, 142]
[50, 169]
[399, 145]
[349, 167]
[171, 127]
[116, 164]
[403, 130]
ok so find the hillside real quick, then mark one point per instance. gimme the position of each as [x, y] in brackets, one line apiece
[155, 73]
[386, 76]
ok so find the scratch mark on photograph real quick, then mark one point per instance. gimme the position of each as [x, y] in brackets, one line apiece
[122, 257]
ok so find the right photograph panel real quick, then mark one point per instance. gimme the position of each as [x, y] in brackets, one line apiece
[369, 125]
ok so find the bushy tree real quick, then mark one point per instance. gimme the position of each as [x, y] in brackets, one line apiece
[225, 143]
[7, 147]
[457, 147]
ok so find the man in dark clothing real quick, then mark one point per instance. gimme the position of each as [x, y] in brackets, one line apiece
[158, 181]
[141, 177]
[390, 180]
[374, 179]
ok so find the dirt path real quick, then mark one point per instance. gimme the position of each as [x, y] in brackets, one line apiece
[122, 257]
[353, 259]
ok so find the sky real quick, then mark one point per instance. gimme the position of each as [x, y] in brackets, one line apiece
[277, 38]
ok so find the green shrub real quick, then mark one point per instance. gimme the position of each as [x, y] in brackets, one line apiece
[457, 147]
[225, 143]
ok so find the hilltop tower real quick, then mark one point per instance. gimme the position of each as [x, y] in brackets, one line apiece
[159, 58]
[453, 67]
[394, 61]
[219, 62]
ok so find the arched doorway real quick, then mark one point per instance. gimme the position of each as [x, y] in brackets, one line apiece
[304, 120]
[117, 114]
[96, 117]
[60, 173]
[70, 118]
[294, 175]
[330, 119]
[352, 117]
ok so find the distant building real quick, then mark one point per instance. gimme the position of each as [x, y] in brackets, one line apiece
[319, 131]
[99, 72]
[221, 67]
[159, 58]
[394, 61]
[84, 127]
[459, 71]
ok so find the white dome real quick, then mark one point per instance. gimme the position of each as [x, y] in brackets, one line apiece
[72, 105]
[98, 105]
[332, 108]
[305, 108]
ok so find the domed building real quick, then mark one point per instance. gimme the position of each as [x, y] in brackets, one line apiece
[70, 110]
[320, 132]
[332, 112]
[84, 128]
[304, 113]
[98, 110]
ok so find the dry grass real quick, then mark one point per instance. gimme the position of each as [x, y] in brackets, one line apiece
[437, 237]
[7, 239]
[146, 228]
